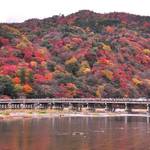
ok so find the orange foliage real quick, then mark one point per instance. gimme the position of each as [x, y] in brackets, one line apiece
[16, 80]
[43, 63]
[33, 64]
[27, 88]
[136, 81]
[110, 29]
[49, 76]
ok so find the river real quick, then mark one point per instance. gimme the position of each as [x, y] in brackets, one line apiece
[76, 133]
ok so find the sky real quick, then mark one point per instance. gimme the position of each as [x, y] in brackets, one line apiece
[20, 10]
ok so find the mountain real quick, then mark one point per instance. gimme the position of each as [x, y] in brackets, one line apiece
[85, 54]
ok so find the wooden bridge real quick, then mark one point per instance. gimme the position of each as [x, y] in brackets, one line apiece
[109, 104]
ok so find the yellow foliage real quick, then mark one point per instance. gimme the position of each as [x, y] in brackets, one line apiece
[108, 74]
[25, 39]
[136, 81]
[85, 64]
[106, 47]
[146, 51]
[18, 87]
[85, 68]
[68, 46]
[21, 45]
[99, 90]
[24, 42]
[11, 29]
[71, 61]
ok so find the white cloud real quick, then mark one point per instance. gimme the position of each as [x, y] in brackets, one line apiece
[20, 10]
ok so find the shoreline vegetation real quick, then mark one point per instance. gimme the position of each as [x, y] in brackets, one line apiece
[50, 113]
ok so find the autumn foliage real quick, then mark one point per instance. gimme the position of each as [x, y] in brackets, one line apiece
[85, 54]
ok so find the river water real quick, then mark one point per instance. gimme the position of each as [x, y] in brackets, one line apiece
[76, 133]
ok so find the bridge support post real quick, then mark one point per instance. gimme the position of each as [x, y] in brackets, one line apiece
[22, 106]
[50, 105]
[87, 107]
[148, 108]
[94, 108]
[80, 107]
[127, 108]
[70, 106]
[55, 106]
[107, 107]
[62, 106]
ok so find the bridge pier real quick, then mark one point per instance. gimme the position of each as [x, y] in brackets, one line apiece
[61, 106]
[70, 106]
[80, 107]
[87, 107]
[127, 108]
[50, 106]
[148, 108]
[55, 107]
[22, 106]
[91, 107]
[1, 106]
[108, 107]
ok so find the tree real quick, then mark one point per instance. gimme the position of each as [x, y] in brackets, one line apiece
[6, 86]
[22, 75]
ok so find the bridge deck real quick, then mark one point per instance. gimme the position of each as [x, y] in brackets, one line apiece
[79, 100]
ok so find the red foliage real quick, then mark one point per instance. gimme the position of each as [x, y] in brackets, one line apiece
[81, 53]
[104, 61]
[8, 69]
[146, 24]
[16, 80]
[4, 41]
[39, 78]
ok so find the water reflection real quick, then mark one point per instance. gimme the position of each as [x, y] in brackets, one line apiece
[107, 133]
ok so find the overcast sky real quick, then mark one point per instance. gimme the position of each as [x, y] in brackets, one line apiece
[20, 10]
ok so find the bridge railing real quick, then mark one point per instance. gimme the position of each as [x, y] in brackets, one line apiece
[76, 100]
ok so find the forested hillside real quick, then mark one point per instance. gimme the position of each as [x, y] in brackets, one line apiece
[85, 54]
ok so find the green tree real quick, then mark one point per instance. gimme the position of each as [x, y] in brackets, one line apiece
[6, 86]
[22, 75]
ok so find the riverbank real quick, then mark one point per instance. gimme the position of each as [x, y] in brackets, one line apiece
[39, 113]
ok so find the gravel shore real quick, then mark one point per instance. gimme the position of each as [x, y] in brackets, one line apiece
[24, 114]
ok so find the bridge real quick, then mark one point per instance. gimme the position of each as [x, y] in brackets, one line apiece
[109, 104]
